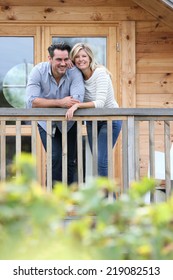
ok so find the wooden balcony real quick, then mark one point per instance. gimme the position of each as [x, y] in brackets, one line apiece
[144, 131]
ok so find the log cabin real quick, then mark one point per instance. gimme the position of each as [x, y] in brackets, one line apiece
[133, 38]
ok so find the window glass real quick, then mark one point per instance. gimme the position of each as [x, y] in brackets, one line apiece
[16, 62]
[16, 56]
[98, 45]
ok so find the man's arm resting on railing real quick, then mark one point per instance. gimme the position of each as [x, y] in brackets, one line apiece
[65, 102]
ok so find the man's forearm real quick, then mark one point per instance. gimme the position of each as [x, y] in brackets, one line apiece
[46, 103]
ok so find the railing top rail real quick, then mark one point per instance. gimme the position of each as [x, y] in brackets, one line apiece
[54, 112]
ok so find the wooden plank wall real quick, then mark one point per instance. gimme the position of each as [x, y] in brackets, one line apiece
[154, 78]
[154, 62]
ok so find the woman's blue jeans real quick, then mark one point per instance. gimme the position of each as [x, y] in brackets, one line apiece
[102, 142]
[57, 153]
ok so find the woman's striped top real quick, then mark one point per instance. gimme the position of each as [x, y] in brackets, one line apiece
[99, 89]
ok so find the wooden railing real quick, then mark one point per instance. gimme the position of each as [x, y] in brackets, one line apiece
[131, 146]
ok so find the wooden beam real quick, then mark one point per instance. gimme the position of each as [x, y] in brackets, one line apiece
[158, 9]
[61, 3]
[128, 64]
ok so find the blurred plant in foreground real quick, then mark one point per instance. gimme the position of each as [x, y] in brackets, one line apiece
[79, 222]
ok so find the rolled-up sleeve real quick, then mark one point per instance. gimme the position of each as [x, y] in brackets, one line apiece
[33, 88]
[77, 88]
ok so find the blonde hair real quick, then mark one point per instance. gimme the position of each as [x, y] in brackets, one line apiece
[83, 46]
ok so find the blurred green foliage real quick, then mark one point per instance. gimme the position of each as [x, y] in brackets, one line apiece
[79, 222]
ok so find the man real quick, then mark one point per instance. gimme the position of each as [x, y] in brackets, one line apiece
[53, 84]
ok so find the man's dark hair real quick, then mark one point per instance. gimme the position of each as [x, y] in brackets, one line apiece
[58, 46]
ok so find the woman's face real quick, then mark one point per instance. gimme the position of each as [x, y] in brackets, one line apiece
[82, 60]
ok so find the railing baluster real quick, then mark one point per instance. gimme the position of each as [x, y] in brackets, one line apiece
[79, 152]
[18, 141]
[109, 148]
[151, 155]
[64, 152]
[18, 137]
[125, 159]
[33, 137]
[49, 156]
[110, 154]
[137, 156]
[94, 148]
[131, 149]
[167, 158]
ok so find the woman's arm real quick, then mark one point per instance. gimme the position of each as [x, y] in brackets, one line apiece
[84, 105]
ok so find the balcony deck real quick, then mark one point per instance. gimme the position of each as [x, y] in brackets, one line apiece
[130, 143]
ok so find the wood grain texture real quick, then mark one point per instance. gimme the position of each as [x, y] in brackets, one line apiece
[154, 100]
[128, 66]
[73, 13]
[153, 42]
[158, 9]
[154, 63]
[65, 3]
[154, 83]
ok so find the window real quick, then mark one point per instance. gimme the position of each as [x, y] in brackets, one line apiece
[98, 45]
[16, 56]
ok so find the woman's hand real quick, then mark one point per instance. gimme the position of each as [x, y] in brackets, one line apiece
[70, 64]
[68, 102]
[70, 112]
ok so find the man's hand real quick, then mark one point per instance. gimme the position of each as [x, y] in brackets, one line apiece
[70, 112]
[68, 102]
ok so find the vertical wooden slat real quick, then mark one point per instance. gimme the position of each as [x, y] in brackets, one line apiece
[18, 137]
[109, 148]
[88, 160]
[110, 155]
[64, 152]
[34, 146]
[41, 160]
[167, 158]
[151, 155]
[137, 156]
[151, 149]
[3, 151]
[79, 152]
[18, 141]
[33, 137]
[125, 159]
[131, 149]
[49, 156]
[95, 148]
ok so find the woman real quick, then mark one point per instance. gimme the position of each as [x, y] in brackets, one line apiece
[99, 93]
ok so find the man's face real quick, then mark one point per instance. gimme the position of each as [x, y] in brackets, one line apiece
[59, 62]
